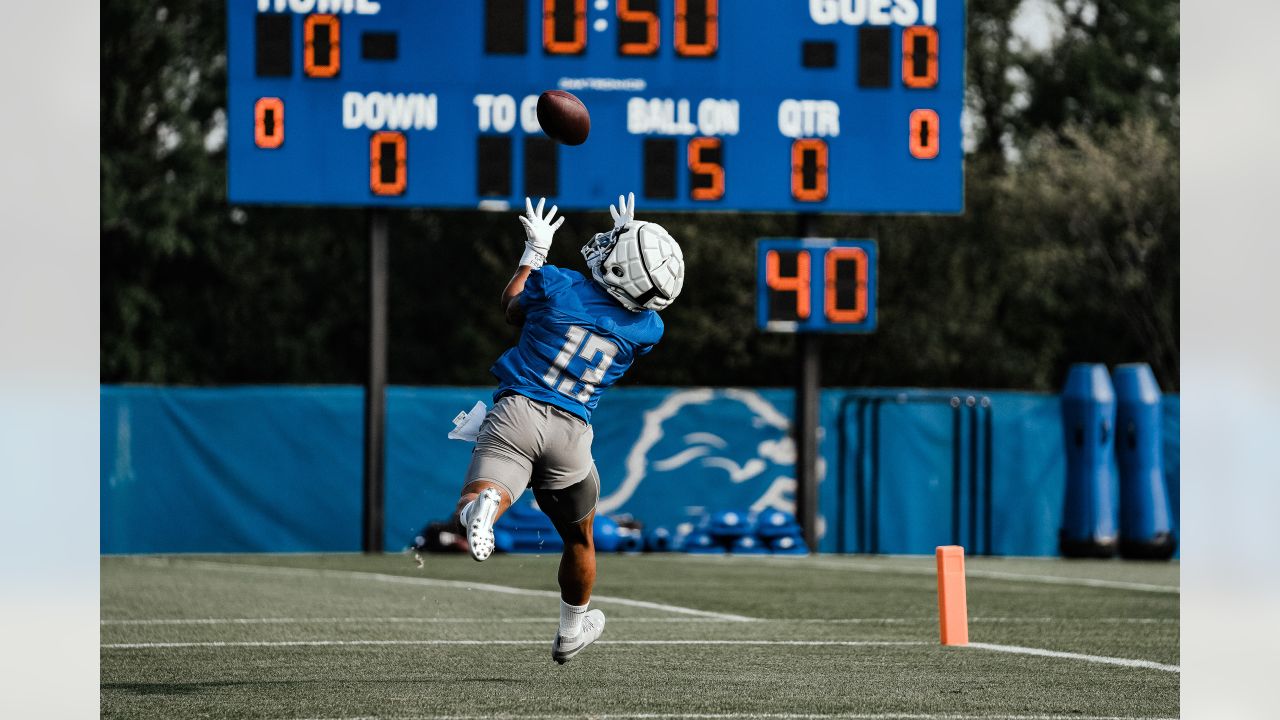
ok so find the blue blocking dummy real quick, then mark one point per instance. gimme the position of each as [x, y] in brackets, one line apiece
[1146, 528]
[1088, 421]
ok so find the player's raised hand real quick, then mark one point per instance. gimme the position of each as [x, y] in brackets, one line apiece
[538, 231]
[625, 212]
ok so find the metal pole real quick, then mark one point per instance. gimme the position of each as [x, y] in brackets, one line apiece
[986, 477]
[873, 526]
[808, 381]
[375, 385]
[807, 437]
[957, 487]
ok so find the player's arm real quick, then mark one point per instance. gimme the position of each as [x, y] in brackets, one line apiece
[511, 296]
[538, 231]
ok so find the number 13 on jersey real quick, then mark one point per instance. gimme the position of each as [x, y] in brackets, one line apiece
[816, 285]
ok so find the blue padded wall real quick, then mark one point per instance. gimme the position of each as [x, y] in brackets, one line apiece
[278, 469]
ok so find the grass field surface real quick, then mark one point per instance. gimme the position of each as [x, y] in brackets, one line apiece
[349, 636]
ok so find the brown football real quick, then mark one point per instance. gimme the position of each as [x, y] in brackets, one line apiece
[563, 117]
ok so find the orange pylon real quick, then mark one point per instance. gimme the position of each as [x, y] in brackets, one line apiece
[953, 608]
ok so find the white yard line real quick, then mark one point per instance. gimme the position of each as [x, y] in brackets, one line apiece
[538, 620]
[926, 568]
[1080, 582]
[1125, 662]
[930, 570]
[1085, 620]
[822, 561]
[704, 615]
[370, 620]
[454, 584]
[735, 716]
[325, 643]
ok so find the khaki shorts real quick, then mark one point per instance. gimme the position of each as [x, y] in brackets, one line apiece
[525, 443]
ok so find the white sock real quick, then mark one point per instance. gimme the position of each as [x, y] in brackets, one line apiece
[571, 618]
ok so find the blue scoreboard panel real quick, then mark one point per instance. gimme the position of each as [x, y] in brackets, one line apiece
[758, 105]
[816, 285]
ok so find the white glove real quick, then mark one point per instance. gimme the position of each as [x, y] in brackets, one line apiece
[538, 230]
[625, 212]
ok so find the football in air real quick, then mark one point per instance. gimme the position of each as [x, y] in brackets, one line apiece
[563, 117]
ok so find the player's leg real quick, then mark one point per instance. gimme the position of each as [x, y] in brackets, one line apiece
[482, 502]
[474, 488]
[577, 573]
[501, 464]
[572, 512]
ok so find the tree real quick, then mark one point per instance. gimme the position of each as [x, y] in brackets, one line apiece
[1067, 250]
[158, 104]
[989, 92]
[1114, 59]
[1094, 217]
[193, 290]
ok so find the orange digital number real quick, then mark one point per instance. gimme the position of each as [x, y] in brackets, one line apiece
[321, 52]
[268, 123]
[924, 134]
[690, 42]
[578, 39]
[699, 165]
[798, 283]
[809, 170]
[920, 56]
[834, 312]
[388, 168]
[649, 46]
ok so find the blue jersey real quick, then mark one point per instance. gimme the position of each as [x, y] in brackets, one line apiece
[577, 341]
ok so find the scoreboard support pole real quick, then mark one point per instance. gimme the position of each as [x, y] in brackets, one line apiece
[375, 387]
[808, 385]
[809, 287]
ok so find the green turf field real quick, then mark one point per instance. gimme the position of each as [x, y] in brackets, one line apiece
[347, 636]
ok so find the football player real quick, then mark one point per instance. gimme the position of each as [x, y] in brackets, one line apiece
[579, 336]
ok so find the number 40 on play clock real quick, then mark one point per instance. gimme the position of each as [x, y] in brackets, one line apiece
[816, 285]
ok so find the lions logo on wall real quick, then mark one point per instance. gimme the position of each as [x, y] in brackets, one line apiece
[719, 448]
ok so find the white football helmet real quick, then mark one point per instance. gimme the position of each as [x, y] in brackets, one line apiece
[639, 264]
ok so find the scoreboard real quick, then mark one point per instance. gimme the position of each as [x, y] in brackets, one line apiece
[750, 105]
[816, 285]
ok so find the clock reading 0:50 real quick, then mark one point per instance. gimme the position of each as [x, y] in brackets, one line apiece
[696, 31]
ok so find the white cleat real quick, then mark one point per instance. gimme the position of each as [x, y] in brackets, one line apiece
[477, 519]
[563, 649]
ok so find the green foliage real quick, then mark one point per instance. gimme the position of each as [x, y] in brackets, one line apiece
[194, 291]
[1115, 59]
[1067, 251]
[157, 105]
[1095, 222]
[991, 57]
